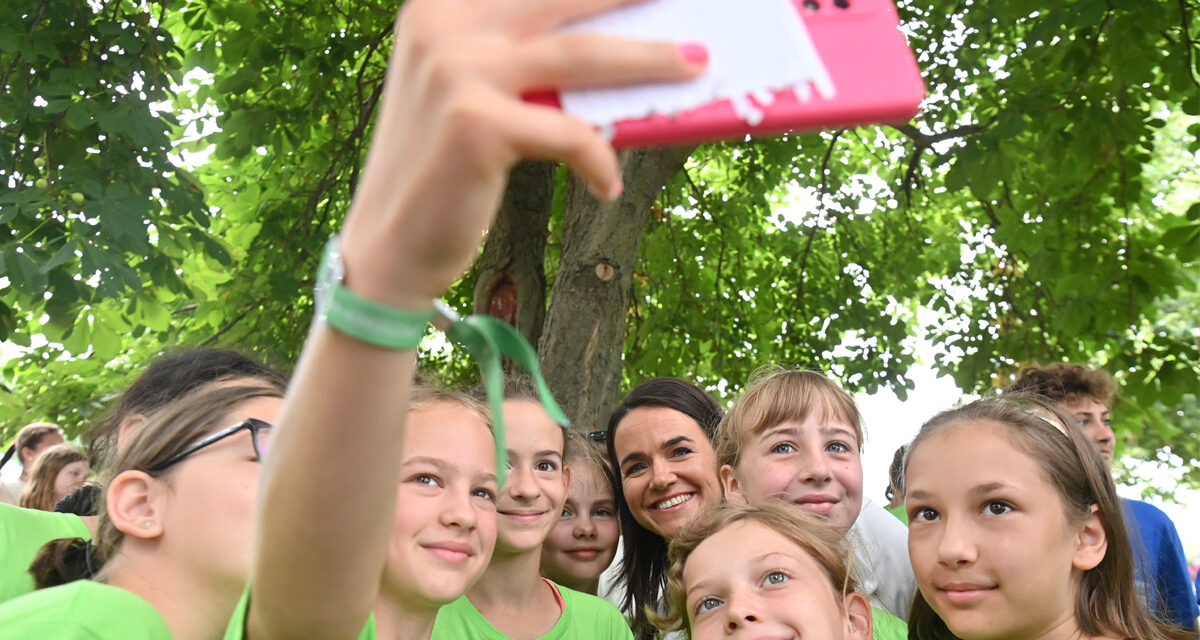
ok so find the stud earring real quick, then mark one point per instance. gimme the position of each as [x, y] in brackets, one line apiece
[146, 524]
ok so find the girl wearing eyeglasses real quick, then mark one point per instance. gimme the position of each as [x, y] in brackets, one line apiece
[172, 552]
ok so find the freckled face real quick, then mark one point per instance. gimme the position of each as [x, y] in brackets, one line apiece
[668, 468]
[814, 465]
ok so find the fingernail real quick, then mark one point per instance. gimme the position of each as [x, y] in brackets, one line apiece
[617, 189]
[694, 52]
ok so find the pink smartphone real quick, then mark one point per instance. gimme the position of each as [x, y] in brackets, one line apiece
[868, 60]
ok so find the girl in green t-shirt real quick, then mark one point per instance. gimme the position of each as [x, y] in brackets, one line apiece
[176, 527]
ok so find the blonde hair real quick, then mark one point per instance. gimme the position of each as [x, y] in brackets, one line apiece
[822, 541]
[39, 493]
[775, 395]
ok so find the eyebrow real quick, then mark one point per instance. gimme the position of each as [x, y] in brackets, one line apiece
[666, 445]
[440, 463]
[985, 488]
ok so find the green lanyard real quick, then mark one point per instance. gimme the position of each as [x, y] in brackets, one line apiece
[488, 340]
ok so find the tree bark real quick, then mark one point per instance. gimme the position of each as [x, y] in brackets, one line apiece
[583, 338]
[511, 272]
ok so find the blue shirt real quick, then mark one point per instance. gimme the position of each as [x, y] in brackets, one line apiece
[1160, 567]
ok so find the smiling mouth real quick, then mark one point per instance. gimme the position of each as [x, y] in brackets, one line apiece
[584, 554]
[674, 502]
[523, 517]
[817, 504]
[965, 594]
[454, 554]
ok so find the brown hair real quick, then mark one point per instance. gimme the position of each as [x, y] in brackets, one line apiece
[776, 395]
[1107, 602]
[39, 493]
[1061, 381]
[165, 434]
[31, 436]
[825, 543]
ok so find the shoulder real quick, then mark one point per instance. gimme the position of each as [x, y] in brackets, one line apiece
[1144, 511]
[83, 609]
[876, 524]
[591, 612]
[460, 619]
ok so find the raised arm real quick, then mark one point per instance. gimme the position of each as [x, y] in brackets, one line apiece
[451, 126]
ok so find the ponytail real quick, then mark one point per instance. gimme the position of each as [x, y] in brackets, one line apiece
[61, 561]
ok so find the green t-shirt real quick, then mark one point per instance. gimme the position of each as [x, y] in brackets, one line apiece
[584, 616]
[899, 512]
[237, 623]
[82, 610]
[885, 626]
[22, 534]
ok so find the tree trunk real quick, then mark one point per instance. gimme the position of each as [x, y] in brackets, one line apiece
[583, 338]
[511, 278]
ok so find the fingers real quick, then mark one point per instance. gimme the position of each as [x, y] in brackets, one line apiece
[535, 16]
[536, 131]
[575, 60]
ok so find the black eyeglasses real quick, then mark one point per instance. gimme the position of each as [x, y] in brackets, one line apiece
[260, 433]
[597, 436]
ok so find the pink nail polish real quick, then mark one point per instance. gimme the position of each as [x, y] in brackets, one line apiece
[617, 190]
[694, 52]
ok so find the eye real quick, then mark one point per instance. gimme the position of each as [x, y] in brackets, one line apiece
[566, 513]
[1107, 422]
[634, 469]
[775, 577]
[997, 508]
[425, 479]
[602, 512]
[783, 448]
[837, 447]
[485, 493]
[545, 466]
[680, 452]
[923, 514]
[707, 604]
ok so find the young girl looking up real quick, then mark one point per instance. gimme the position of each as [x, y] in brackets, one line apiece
[173, 547]
[513, 600]
[444, 526]
[763, 571]
[796, 436]
[583, 543]
[1015, 530]
[59, 471]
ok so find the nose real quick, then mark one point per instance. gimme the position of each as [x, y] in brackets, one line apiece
[815, 468]
[956, 546]
[661, 475]
[521, 485]
[457, 510]
[584, 527]
[739, 611]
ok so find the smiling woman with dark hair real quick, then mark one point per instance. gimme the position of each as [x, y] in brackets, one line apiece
[660, 445]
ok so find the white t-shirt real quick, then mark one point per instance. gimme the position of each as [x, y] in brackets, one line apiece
[10, 490]
[880, 545]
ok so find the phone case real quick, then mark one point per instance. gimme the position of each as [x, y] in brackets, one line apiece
[867, 57]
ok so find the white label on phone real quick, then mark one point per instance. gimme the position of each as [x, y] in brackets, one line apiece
[755, 47]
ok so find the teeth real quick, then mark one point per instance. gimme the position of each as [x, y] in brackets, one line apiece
[667, 504]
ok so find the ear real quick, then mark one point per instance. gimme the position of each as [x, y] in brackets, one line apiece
[128, 429]
[858, 616]
[1091, 543]
[567, 478]
[135, 504]
[733, 492]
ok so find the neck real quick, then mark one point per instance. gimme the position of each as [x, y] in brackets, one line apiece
[393, 621]
[512, 580]
[591, 587]
[192, 610]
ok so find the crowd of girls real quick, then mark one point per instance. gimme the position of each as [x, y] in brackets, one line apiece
[367, 505]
